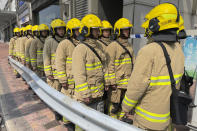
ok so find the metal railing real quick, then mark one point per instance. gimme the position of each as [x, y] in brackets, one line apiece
[80, 114]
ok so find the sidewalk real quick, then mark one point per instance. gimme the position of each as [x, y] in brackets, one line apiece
[22, 110]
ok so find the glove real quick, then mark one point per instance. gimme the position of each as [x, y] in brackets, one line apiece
[50, 77]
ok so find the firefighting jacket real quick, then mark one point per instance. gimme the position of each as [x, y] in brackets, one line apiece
[12, 45]
[149, 87]
[27, 47]
[119, 63]
[88, 70]
[17, 50]
[63, 60]
[104, 42]
[50, 47]
[22, 47]
[36, 53]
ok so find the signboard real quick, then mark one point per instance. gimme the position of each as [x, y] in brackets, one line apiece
[190, 52]
[24, 19]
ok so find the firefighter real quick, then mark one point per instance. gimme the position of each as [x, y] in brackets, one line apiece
[149, 88]
[35, 31]
[87, 66]
[27, 45]
[18, 56]
[119, 66]
[36, 50]
[64, 59]
[58, 30]
[12, 44]
[106, 32]
[26, 35]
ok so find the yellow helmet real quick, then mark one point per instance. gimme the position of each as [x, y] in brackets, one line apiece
[28, 27]
[35, 28]
[57, 23]
[181, 23]
[43, 27]
[106, 25]
[162, 17]
[74, 23]
[122, 23]
[89, 21]
[22, 30]
[16, 30]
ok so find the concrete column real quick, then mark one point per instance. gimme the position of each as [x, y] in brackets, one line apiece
[30, 13]
[93, 7]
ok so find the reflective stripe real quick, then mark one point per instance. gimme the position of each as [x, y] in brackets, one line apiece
[68, 60]
[81, 87]
[164, 80]
[61, 74]
[96, 89]
[27, 59]
[41, 67]
[39, 52]
[71, 81]
[52, 56]
[121, 114]
[47, 68]
[122, 82]
[93, 66]
[152, 117]
[129, 102]
[123, 61]
[55, 73]
[33, 60]
[109, 76]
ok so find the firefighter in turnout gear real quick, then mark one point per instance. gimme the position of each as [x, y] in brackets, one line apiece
[119, 66]
[106, 32]
[63, 60]
[58, 30]
[12, 44]
[18, 55]
[64, 57]
[27, 45]
[87, 66]
[36, 50]
[149, 88]
[27, 32]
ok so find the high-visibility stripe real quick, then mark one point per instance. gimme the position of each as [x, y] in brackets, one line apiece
[152, 117]
[71, 81]
[61, 74]
[52, 56]
[121, 114]
[123, 61]
[164, 80]
[41, 67]
[81, 87]
[110, 76]
[93, 66]
[55, 73]
[129, 102]
[122, 82]
[97, 88]
[68, 60]
[47, 68]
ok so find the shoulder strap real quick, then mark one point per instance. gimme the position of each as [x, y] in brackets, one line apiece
[127, 51]
[103, 42]
[41, 40]
[93, 50]
[55, 39]
[168, 62]
[72, 42]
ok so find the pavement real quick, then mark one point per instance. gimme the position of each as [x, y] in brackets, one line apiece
[21, 109]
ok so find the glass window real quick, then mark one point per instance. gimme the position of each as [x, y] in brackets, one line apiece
[48, 14]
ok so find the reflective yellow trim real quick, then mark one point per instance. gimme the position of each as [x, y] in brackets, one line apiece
[96, 89]
[110, 76]
[68, 60]
[123, 61]
[152, 117]
[81, 87]
[129, 102]
[93, 66]
[122, 82]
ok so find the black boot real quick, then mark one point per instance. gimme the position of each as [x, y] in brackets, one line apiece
[58, 116]
[70, 126]
[116, 108]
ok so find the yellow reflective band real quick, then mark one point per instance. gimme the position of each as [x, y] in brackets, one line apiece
[61, 74]
[81, 87]
[123, 61]
[52, 56]
[70, 81]
[164, 80]
[152, 117]
[42, 67]
[96, 89]
[121, 114]
[47, 68]
[93, 66]
[109, 76]
[55, 73]
[122, 82]
[68, 60]
[129, 102]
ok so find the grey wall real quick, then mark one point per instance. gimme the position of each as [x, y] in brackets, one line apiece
[135, 11]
